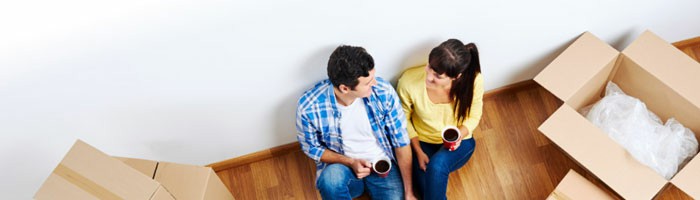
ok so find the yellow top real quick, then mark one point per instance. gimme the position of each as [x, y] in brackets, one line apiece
[427, 119]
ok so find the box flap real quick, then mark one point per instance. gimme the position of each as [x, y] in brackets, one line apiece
[216, 189]
[172, 173]
[183, 181]
[99, 175]
[668, 64]
[601, 155]
[687, 178]
[162, 194]
[575, 186]
[146, 167]
[576, 65]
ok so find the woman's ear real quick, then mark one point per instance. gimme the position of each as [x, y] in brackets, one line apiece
[458, 76]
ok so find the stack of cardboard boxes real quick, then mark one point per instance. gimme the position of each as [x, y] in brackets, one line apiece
[87, 173]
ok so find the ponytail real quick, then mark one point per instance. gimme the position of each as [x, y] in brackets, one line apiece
[462, 90]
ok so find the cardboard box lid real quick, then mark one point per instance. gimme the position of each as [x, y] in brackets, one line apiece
[687, 178]
[601, 155]
[146, 167]
[668, 64]
[162, 194]
[191, 182]
[183, 181]
[575, 186]
[216, 189]
[570, 71]
[87, 169]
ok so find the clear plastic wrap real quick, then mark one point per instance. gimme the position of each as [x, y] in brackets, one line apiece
[663, 147]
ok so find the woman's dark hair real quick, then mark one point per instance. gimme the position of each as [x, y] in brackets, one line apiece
[453, 58]
[347, 64]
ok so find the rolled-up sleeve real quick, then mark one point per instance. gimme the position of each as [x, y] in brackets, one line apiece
[396, 120]
[308, 137]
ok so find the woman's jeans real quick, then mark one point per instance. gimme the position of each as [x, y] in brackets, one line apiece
[432, 183]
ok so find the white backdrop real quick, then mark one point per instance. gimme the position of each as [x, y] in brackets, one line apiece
[200, 81]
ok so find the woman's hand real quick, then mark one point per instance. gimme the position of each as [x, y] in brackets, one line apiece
[420, 155]
[464, 131]
[423, 160]
[457, 143]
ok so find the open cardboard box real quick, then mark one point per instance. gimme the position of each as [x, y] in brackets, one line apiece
[649, 69]
[87, 173]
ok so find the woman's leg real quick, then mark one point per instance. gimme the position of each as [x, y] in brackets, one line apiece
[338, 181]
[441, 164]
[418, 174]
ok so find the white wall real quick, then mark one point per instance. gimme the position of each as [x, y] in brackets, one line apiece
[198, 82]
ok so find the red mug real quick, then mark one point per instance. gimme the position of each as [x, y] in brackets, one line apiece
[381, 167]
[450, 136]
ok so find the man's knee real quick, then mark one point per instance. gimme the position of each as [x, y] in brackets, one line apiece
[333, 178]
[390, 187]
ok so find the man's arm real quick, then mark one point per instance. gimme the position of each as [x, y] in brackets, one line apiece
[310, 145]
[333, 157]
[404, 159]
[306, 135]
[359, 166]
[395, 121]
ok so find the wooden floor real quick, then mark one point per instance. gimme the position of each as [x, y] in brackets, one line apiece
[691, 47]
[513, 160]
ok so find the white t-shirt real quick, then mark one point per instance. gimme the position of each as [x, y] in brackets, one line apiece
[358, 138]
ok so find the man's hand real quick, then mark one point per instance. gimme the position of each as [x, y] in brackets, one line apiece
[410, 196]
[362, 168]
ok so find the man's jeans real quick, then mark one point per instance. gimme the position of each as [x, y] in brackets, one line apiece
[338, 181]
[432, 183]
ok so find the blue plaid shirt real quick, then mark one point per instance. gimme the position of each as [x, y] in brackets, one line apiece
[318, 120]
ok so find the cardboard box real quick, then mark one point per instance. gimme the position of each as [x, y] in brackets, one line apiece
[649, 69]
[87, 173]
[182, 181]
[146, 167]
[574, 186]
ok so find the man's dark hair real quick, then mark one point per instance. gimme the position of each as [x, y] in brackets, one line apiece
[347, 64]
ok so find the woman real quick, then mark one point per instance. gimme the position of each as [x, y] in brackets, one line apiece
[448, 91]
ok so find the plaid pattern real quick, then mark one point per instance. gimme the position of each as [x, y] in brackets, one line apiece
[318, 120]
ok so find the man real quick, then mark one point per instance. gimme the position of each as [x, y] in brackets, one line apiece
[349, 120]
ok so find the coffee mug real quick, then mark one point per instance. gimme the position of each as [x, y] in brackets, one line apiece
[381, 167]
[450, 136]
